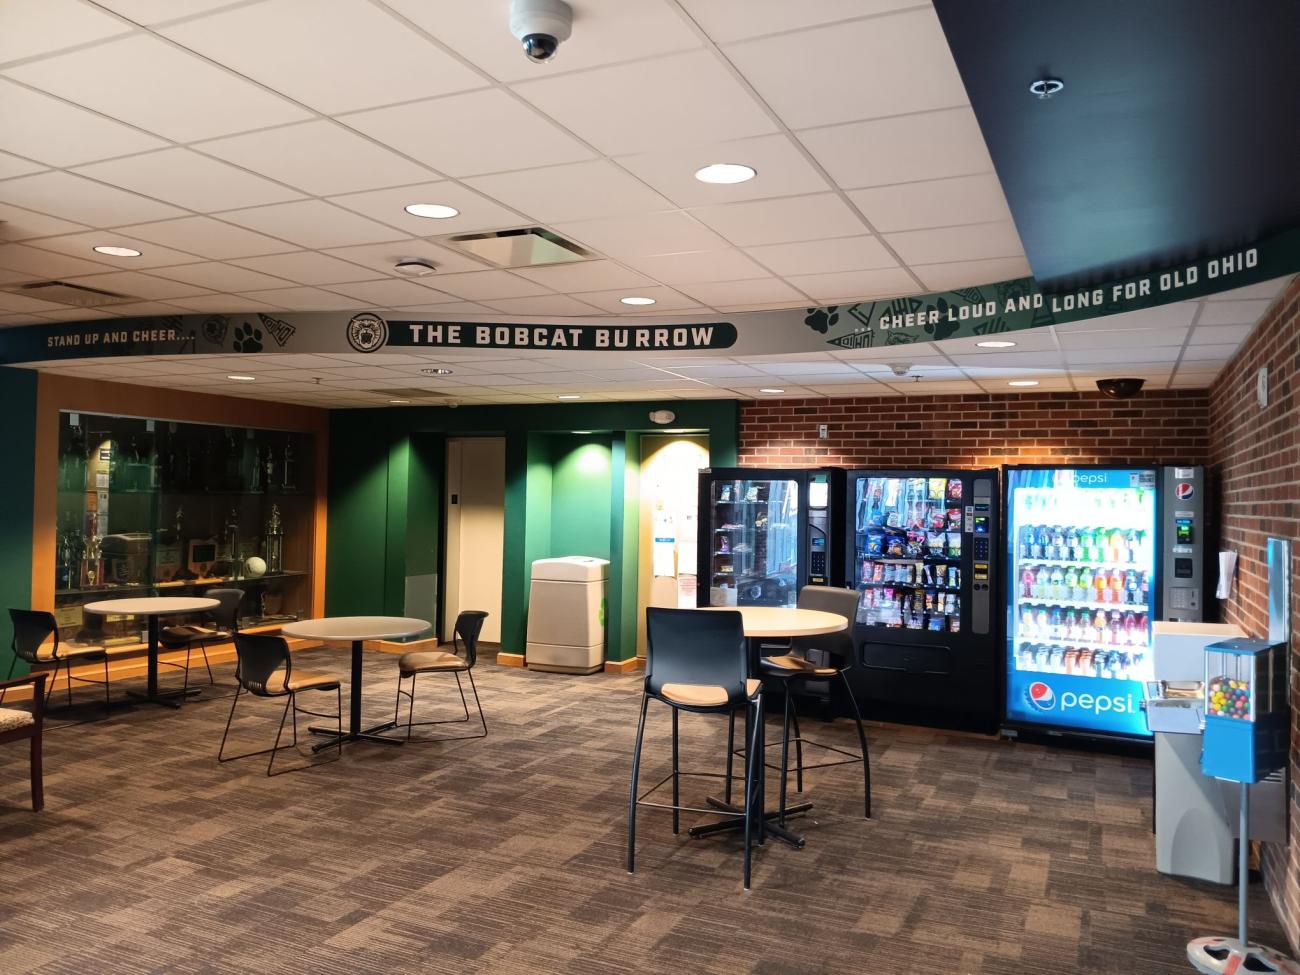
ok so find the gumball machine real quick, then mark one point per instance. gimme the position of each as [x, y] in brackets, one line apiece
[1246, 731]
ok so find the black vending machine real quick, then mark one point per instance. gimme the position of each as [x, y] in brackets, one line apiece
[922, 552]
[765, 534]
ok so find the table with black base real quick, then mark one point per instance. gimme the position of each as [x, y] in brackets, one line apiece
[151, 607]
[356, 630]
[767, 622]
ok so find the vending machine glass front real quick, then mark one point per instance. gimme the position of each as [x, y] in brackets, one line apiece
[754, 542]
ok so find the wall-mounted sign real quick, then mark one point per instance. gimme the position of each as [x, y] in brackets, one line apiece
[587, 338]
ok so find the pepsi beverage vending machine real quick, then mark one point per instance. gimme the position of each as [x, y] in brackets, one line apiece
[922, 553]
[765, 534]
[1094, 557]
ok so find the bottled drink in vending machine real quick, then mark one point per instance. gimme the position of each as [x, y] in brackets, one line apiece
[1072, 544]
[1098, 627]
[1042, 579]
[1130, 628]
[1070, 583]
[1027, 619]
[1117, 586]
[1131, 587]
[1058, 543]
[1056, 623]
[1027, 582]
[1042, 541]
[1083, 588]
[1101, 584]
[1071, 625]
[1085, 545]
[1057, 583]
[1027, 542]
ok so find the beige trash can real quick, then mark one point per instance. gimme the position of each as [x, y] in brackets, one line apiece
[566, 615]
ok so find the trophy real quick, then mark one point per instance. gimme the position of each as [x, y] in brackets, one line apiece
[274, 540]
[287, 474]
[232, 544]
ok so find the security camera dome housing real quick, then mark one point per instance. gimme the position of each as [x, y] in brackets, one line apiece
[1120, 388]
[541, 25]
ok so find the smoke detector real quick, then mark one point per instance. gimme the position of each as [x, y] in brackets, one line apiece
[900, 369]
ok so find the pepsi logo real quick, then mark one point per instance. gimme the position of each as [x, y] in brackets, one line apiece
[1040, 696]
[1184, 491]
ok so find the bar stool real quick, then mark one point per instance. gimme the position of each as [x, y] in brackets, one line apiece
[32, 628]
[825, 657]
[698, 662]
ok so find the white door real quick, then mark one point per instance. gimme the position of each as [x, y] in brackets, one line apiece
[476, 494]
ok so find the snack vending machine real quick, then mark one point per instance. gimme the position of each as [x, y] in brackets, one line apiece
[765, 534]
[922, 554]
[1094, 557]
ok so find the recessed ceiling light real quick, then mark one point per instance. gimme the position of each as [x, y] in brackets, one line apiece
[998, 344]
[414, 268]
[583, 433]
[568, 396]
[1023, 382]
[113, 251]
[436, 372]
[771, 389]
[725, 173]
[436, 211]
[1046, 87]
[399, 402]
[241, 379]
[637, 301]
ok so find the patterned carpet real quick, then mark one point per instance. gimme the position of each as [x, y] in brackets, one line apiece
[505, 854]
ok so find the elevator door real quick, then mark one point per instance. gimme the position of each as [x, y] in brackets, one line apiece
[476, 480]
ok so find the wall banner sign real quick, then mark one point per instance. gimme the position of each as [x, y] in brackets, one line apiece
[980, 310]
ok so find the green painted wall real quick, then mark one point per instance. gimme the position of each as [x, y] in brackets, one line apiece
[385, 465]
[18, 447]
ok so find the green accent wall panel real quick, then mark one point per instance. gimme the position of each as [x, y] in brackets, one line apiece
[581, 507]
[18, 446]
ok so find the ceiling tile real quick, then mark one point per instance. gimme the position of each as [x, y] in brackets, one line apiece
[224, 304]
[931, 145]
[864, 387]
[480, 285]
[1025, 339]
[759, 291]
[1161, 316]
[388, 293]
[734, 20]
[198, 100]
[321, 158]
[891, 65]
[971, 242]
[584, 276]
[76, 198]
[221, 277]
[962, 274]
[849, 285]
[13, 166]
[306, 267]
[149, 12]
[646, 105]
[311, 55]
[305, 299]
[81, 245]
[58, 134]
[138, 285]
[822, 256]
[19, 224]
[312, 223]
[543, 305]
[10, 321]
[1075, 341]
[666, 300]
[80, 314]
[477, 132]
[1220, 334]
[782, 167]
[606, 32]
[700, 266]
[1265, 289]
[388, 206]
[578, 191]
[642, 235]
[208, 238]
[933, 203]
[448, 308]
[781, 221]
[1212, 353]
[1086, 358]
[1215, 312]
[15, 303]
[994, 363]
[189, 180]
[34, 27]
[382, 257]
[29, 260]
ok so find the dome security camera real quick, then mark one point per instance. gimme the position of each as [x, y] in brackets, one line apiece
[541, 25]
[1120, 388]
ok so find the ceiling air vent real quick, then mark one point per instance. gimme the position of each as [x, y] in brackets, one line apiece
[525, 247]
[70, 294]
[410, 393]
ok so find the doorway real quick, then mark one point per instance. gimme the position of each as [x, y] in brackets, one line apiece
[475, 507]
[670, 467]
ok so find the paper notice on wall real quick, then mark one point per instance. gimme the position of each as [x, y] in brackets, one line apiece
[1227, 568]
[665, 556]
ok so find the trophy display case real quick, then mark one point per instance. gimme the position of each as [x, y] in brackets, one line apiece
[160, 507]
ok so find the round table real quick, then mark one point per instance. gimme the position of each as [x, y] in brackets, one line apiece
[151, 607]
[356, 630]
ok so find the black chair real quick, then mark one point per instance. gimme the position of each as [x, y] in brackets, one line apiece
[225, 623]
[698, 661]
[33, 630]
[265, 669]
[823, 658]
[19, 725]
[459, 661]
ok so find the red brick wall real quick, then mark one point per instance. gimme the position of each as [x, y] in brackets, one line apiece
[977, 431]
[1256, 453]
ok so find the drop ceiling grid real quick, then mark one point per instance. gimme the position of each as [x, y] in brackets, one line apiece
[307, 115]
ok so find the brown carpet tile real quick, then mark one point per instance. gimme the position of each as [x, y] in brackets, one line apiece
[505, 855]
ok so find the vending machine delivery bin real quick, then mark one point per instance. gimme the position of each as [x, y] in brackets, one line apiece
[566, 615]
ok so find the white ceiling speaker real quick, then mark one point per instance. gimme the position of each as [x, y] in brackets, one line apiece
[540, 25]
[414, 268]
[662, 417]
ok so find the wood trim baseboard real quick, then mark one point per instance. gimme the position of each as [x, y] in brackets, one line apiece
[624, 666]
[510, 659]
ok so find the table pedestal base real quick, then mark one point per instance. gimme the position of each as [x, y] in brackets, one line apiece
[770, 820]
[348, 737]
[167, 699]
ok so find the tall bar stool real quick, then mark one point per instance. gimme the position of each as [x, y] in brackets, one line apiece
[825, 657]
[460, 660]
[698, 662]
[32, 628]
[225, 623]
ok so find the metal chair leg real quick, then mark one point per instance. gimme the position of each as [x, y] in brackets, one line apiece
[185, 685]
[276, 747]
[231, 717]
[785, 753]
[862, 740]
[798, 748]
[108, 706]
[731, 753]
[631, 798]
[676, 792]
[410, 714]
[49, 691]
[753, 766]
[203, 649]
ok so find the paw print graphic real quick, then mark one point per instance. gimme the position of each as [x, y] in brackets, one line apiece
[248, 338]
[821, 319]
